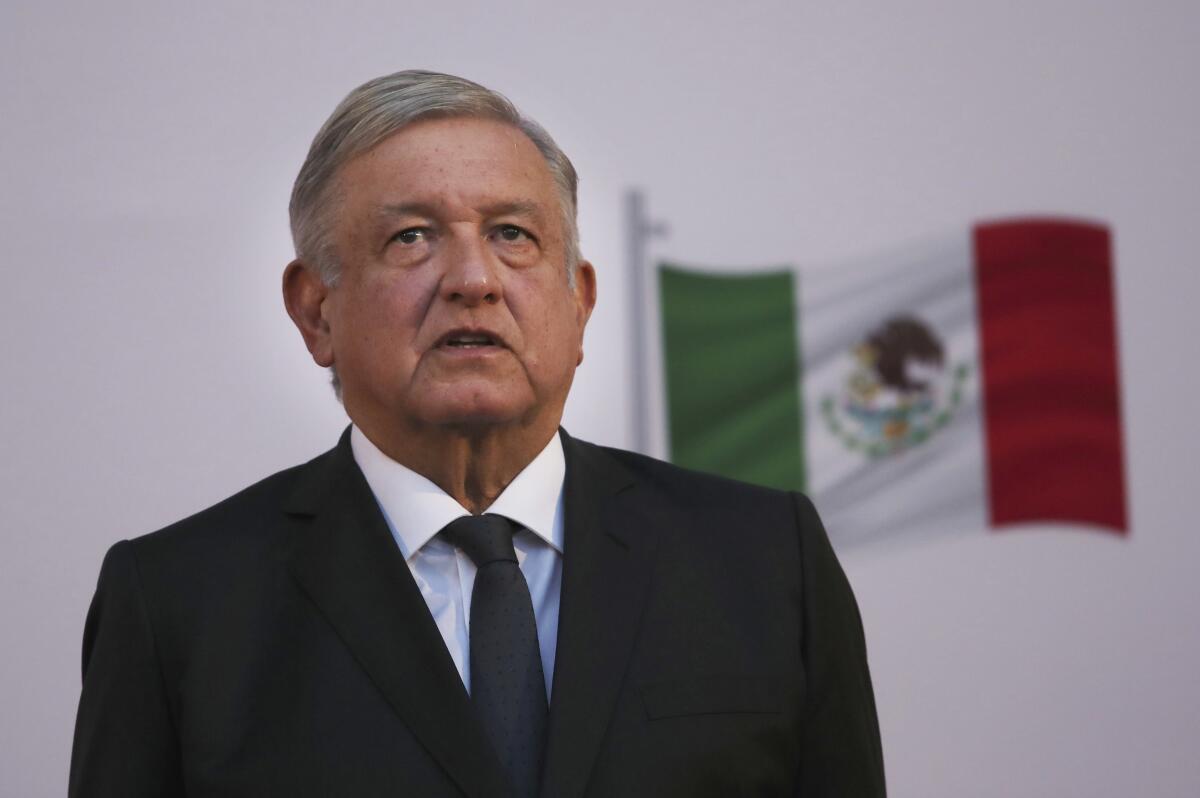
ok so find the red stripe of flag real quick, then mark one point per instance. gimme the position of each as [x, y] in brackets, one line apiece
[1049, 357]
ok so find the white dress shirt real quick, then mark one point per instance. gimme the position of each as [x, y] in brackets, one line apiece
[416, 510]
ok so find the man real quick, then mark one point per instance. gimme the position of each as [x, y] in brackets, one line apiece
[460, 598]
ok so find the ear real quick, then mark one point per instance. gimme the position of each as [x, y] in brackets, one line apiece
[585, 299]
[304, 295]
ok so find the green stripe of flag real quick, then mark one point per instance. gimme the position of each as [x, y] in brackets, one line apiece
[733, 374]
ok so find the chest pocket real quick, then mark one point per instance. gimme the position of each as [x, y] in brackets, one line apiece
[713, 696]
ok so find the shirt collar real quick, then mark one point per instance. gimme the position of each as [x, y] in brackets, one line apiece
[416, 509]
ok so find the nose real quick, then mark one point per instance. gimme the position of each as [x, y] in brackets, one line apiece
[471, 274]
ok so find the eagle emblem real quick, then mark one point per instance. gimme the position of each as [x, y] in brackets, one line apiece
[898, 392]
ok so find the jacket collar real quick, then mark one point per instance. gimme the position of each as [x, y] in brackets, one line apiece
[348, 563]
[608, 562]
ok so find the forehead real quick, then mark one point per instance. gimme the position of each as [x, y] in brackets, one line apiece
[453, 164]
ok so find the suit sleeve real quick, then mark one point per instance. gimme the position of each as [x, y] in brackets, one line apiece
[841, 753]
[125, 741]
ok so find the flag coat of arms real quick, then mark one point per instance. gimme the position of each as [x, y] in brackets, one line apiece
[967, 383]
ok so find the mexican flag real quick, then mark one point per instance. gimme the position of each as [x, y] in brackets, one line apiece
[963, 384]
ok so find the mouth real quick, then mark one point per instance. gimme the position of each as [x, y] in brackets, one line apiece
[465, 339]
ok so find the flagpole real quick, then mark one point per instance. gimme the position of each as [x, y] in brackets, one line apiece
[639, 230]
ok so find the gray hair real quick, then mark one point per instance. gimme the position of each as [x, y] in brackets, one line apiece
[382, 107]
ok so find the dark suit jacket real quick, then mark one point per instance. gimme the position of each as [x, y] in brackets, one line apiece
[277, 645]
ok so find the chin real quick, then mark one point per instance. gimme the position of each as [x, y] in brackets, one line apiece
[477, 412]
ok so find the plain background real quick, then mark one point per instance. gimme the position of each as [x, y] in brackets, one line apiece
[149, 368]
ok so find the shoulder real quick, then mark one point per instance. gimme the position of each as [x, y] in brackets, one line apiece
[247, 527]
[684, 488]
[692, 508]
[227, 561]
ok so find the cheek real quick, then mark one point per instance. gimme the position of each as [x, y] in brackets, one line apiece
[556, 337]
[380, 321]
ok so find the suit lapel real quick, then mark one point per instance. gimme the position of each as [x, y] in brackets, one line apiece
[608, 560]
[348, 563]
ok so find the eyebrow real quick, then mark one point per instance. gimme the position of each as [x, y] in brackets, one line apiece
[404, 209]
[514, 208]
[521, 207]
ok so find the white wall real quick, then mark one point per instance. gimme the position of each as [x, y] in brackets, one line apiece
[149, 369]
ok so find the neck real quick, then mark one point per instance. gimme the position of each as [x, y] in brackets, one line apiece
[472, 465]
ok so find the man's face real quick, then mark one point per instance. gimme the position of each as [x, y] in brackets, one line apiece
[453, 305]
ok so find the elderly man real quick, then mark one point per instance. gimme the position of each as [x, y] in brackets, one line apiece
[460, 599]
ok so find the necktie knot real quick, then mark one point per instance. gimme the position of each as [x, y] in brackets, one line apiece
[484, 538]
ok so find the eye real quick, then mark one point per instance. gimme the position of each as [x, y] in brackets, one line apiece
[411, 235]
[513, 234]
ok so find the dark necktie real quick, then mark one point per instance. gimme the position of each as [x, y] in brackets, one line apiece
[508, 689]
